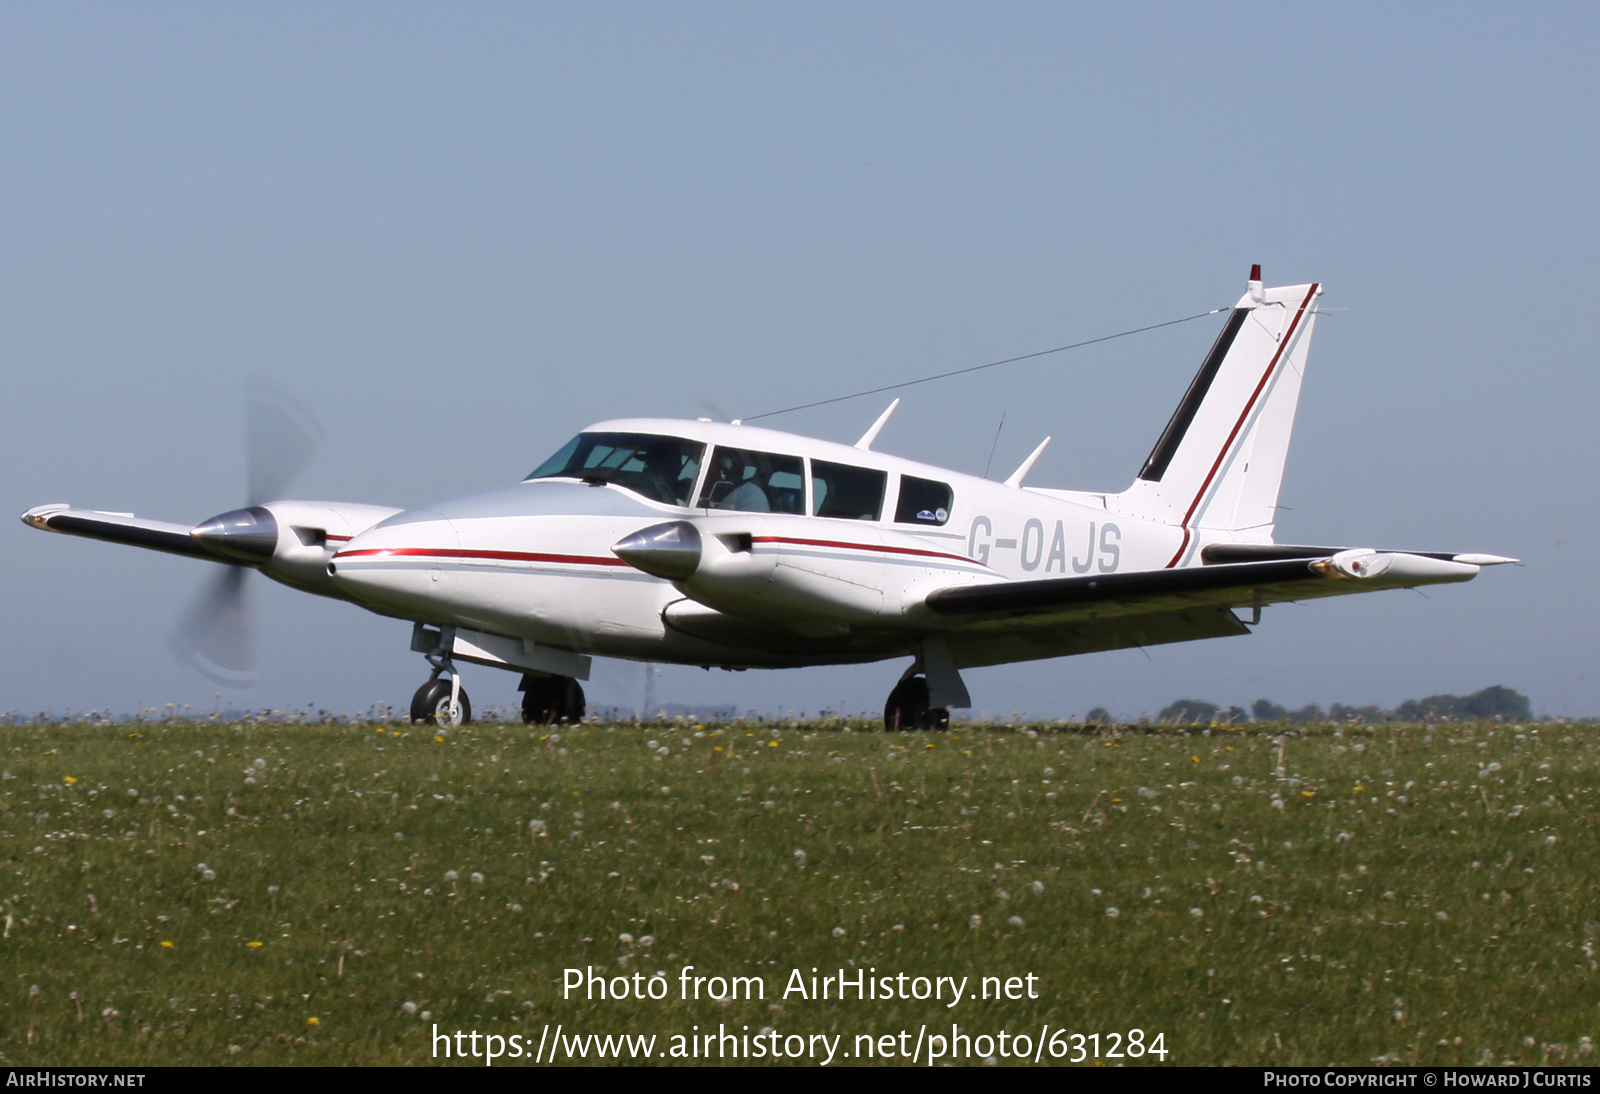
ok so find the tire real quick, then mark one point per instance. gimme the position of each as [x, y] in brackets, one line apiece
[431, 705]
[547, 700]
[907, 708]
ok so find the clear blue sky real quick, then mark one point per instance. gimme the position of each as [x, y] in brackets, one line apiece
[465, 231]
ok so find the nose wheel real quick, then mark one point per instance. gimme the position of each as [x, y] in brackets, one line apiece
[441, 702]
[550, 699]
[908, 707]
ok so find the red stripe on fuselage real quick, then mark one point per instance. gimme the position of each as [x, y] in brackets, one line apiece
[1227, 444]
[489, 556]
[861, 547]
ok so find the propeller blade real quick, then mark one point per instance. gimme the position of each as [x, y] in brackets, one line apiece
[281, 436]
[214, 635]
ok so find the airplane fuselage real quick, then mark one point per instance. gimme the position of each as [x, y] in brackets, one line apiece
[534, 560]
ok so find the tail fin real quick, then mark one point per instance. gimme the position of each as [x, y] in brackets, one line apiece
[1219, 462]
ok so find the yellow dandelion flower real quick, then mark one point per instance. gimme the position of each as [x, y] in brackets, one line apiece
[1196, 759]
[1358, 789]
[1308, 793]
[253, 945]
[772, 744]
[70, 779]
[438, 738]
[927, 746]
[717, 749]
[313, 1020]
[167, 945]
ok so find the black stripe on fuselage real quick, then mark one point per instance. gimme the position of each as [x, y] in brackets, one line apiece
[1172, 436]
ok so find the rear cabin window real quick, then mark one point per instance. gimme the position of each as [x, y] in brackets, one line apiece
[845, 492]
[922, 501]
[754, 482]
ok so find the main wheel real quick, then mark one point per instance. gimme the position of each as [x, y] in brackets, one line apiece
[431, 705]
[550, 699]
[908, 708]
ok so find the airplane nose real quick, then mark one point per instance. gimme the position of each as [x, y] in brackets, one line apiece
[670, 550]
[242, 535]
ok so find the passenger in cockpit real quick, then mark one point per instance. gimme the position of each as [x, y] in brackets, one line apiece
[731, 490]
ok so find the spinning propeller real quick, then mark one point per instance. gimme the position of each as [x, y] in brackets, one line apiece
[216, 634]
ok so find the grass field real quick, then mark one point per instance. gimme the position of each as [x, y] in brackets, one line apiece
[263, 894]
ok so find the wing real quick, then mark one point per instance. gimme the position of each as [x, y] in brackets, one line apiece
[1019, 620]
[155, 535]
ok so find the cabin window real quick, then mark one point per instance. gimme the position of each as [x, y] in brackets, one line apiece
[754, 482]
[923, 501]
[662, 469]
[845, 492]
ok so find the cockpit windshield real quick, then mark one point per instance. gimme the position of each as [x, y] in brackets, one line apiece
[662, 469]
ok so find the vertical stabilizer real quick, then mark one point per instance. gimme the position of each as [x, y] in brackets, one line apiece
[1219, 462]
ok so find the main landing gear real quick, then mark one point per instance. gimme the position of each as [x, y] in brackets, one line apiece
[908, 707]
[931, 678]
[547, 700]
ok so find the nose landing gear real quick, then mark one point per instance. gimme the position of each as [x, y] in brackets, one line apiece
[442, 702]
[439, 702]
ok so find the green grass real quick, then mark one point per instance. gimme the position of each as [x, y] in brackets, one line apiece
[1416, 894]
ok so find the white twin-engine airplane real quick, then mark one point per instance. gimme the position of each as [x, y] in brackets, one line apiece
[701, 543]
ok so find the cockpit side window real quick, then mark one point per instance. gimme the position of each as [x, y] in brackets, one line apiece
[662, 469]
[923, 501]
[845, 492]
[754, 482]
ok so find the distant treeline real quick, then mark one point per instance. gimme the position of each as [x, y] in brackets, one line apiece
[1490, 704]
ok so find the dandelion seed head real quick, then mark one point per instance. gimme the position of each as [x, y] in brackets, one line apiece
[1113, 912]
